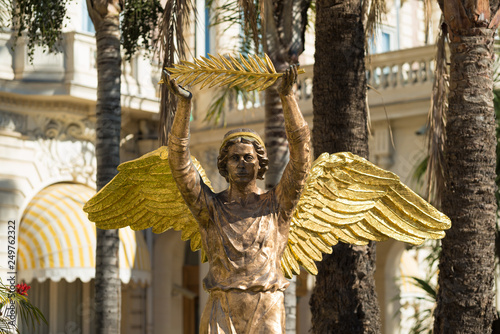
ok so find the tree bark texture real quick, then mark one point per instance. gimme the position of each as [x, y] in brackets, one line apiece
[466, 270]
[283, 40]
[278, 154]
[275, 137]
[105, 16]
[344, 298]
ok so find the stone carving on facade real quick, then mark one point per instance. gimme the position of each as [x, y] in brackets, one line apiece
[12, 122]
[66, 146]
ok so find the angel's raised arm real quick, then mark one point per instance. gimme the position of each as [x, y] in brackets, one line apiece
[297, 131]
[187, 178]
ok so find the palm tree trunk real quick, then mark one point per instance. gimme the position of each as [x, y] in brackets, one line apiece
[278, 154]
[466, 270]
[344, 298]
[275, 137]
[105, 16]
[284, 36]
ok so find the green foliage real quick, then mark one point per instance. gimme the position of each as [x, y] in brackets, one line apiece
[139, 21]
[28, 313]
[431, 291]
[229, 95]
[423, 317]
[424, 302]
[420, 170]
[42, 20]
[5, 5]
[230, 14]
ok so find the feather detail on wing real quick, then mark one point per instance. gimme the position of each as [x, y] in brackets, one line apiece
[143, 194]
[349, 199]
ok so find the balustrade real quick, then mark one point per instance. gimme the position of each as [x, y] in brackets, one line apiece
[396, 75]
[402, 68]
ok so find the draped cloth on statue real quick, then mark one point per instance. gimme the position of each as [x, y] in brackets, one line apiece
[244, 244]
[248, 312]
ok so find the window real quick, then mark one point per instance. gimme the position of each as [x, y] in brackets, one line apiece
[384, 40]
[87, 25]
[203, 31]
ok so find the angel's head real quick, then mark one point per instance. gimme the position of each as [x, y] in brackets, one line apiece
[242, 136]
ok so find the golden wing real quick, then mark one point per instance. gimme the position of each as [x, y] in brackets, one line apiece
[349, 199]
[143, 194]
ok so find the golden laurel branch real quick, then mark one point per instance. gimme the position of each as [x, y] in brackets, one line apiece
[248, 73]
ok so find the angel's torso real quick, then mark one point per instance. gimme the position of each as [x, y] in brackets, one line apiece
[244, 243]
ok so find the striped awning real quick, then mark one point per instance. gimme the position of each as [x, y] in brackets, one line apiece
[57, 241]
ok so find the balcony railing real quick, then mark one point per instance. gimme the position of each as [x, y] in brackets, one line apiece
[401, 68]
[73, 71]
[392, 77]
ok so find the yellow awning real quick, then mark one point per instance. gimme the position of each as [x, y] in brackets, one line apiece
[56, 240]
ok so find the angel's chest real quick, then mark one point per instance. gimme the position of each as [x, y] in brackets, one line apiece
[252, 221]
[245, 216]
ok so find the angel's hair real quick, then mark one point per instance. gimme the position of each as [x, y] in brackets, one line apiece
[259, 149]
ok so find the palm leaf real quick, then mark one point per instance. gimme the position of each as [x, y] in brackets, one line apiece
[436, 123]
[172, 45]
[249, 73]
[5, 13]
[29, 314]
[425, 286]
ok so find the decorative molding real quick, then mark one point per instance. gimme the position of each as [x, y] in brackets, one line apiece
[22, 104]
[63, 127]
[66, 146]
[71, 159]
[12, 122]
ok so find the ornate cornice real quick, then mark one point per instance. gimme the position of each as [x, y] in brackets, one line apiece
[64, 143]
[22, 104]
[13, 122]
[42, 126]
[63, 127]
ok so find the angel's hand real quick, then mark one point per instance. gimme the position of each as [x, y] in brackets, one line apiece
[178, 90]
[288, 79]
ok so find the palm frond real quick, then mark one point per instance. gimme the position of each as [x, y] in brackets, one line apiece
[6, 326]
[247, 73]
[372, 14]
[30, 314]
[175, 19]
[243, 13]
[436, 123]
[5, 13]
[423, 301]
[27, 312]
[427, 17]
[225, 100]
[425, 286]
[250, 20]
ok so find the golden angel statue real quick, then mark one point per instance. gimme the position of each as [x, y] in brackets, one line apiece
[253, 238]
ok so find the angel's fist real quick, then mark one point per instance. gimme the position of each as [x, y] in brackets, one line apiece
[178, 90]
[288, 79]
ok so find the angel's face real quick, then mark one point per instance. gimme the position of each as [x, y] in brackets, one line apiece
[242, 163]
